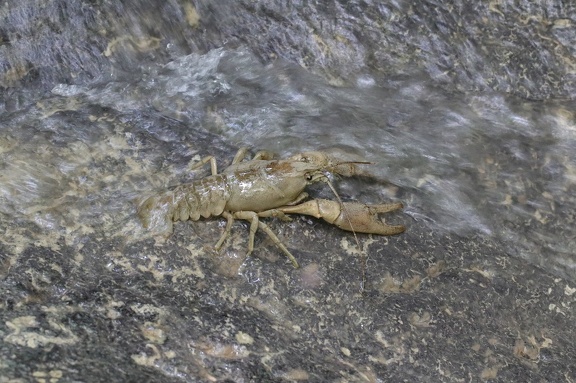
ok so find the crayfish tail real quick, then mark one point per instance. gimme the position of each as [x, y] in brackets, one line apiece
[155, 214]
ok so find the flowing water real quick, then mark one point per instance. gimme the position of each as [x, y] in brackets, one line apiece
[475, 164]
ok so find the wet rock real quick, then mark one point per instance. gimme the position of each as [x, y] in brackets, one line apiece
[88, 295]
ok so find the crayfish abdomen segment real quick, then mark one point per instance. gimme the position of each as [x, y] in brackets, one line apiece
[203, 198]
[207, 197]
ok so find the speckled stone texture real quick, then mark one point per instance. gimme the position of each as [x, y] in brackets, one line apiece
[100, 303]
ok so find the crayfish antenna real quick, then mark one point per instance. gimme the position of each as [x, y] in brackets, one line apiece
[362, 255]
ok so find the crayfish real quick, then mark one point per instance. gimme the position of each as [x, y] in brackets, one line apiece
[265, 187]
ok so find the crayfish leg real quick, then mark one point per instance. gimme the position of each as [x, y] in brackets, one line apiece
[299, 199]
[255, 223]
[226, 233]
[240, 154]
[260, 155]
[264, 155]
[204, 161]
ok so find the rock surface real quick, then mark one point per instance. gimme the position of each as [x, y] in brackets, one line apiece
[95, 299]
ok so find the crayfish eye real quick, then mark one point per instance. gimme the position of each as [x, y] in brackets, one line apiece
[308, 177]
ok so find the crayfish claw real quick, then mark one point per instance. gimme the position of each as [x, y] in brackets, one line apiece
[364, 218]
[350, 216]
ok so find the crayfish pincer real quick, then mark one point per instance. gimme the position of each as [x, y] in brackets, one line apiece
[264, 187]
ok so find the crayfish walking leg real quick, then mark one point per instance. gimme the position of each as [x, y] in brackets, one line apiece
[255, 223]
